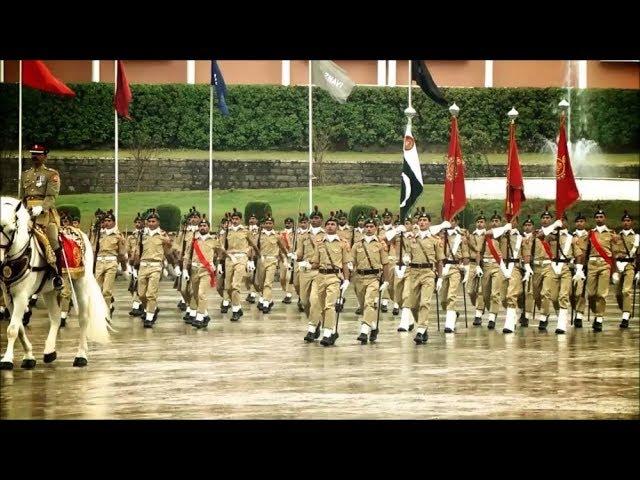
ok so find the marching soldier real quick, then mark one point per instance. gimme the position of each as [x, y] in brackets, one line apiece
[303, 231]
[133, 241]
[271, 248]
[205, 248]
[330, 258]
[254, 230]
[528, 229]
[226, 299]
[238, 245]
[285, 265]
[400, 246]
[578, 302]
[454, 272]
[512, 288]
[345, 232]
[370, 256]
[387, 233]
[110, 249]
[305, 252]
[424, 256]
[358, 235]
[627, 264]
[153, 245]
[40, 188]
[182, 251]
[477, 245]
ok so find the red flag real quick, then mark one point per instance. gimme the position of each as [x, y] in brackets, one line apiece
[35, 74]
[515, 183]
[123, 95]
[566, 190]
[455, 197]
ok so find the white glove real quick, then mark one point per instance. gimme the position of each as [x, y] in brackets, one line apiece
[465, 279]
[401, 228]
[505, 271]
[251, 266]
[344, 285]
[35, 211]
[579, 275]
[400, 271]
[621, 266]
[289, 267]
[176, 271]
[165, 272]
[292, 256]
[220, 269]
[438, 284]
[304, 265]
[129, 269]
[134, 272]
[637, 277]
[527, 272]
[212, 266]
[119, 267]
[479, 271]
[384, 286]
[557, 224]
[406, 259]
[185, 275]
[514, 231]
[445, 224]
[615, 278]
[350, 266]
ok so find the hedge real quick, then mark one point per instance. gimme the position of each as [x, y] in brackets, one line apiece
[259, 209]
[169, 217]
[70, 210]
[358, 210]
[270, 117]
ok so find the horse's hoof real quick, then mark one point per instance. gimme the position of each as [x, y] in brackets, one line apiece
[50, 357]
[6, 366]
[80, 362]
[28, 363]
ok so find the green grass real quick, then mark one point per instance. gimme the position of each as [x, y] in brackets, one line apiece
[288, 201]
[617, 159]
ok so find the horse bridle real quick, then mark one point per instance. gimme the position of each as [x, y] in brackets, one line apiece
[7, 246]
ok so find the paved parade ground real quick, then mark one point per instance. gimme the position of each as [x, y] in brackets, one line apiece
[260, 368]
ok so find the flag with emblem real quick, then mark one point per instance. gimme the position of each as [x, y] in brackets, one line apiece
[35, 74]
[455, 197]
[332, 78]
[515, 182]
[420, 73]
[217, 80]
[411, 185]
[566, 189]
[123, 95]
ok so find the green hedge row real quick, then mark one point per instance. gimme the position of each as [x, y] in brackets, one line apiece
[267, 117]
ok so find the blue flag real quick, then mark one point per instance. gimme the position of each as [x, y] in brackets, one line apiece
[217, 80]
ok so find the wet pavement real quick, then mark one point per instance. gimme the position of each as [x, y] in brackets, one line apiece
[260, 368]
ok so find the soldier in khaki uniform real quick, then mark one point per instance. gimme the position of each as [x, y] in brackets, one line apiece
[512, 288]
[370, 257]
[387, 233]
[205, 247]
[238, 247]
[305, 252]
[40, 188]
[476, 243]
[578, 295]
[133, 246]
[155, 245]
[358, 235]
[330, 258]
[454, 272]
[302, 232]
[254, 230]
[345, 232]
[181, 245]
[424, 256]
[285, 264]
[271, 248]
[111, 249]
[226, 299]
[601, 241]
[400, 246]
[627, 263]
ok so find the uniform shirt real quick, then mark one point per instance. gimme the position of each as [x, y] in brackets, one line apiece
[573, 251]
[133, 243]
[287, 238]
[187, 237]
[581, 237]
[358, 234]
[630, 240]
[112, 243]
[376, 249]
[475, 242]
[42, 183]
[508, 245]
[154, 244]
[450, 241]
[533, 244]
[345, 233]
[606, 240]
[208, 245]
[269, 243]
[306, 248]
[422, 243]
[238, 239]
[335, 247]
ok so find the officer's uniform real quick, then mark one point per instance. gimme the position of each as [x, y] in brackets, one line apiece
[387, 234]
[254, 231]
[238, 246]
[579, 289]
[627, 264]
[112, 248]
[270, 248]
[200, 275]
[357, 236]
[535, 257]
[492, 274]
[399, 248]
[456, 267]
[476, 244]
[512, 289]
[133, 246]
[185, 237]
[305, 251]
[284, 264]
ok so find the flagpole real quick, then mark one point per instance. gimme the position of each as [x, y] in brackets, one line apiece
[115, 117]
[210, 153]
[20, 131]
[409, 86]
[310, 142]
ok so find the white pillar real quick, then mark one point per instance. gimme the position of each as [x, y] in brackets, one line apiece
[382, 73]
[391, 79]
[95, 70]
[191, 73]
[286, 72]
[1, 71]
[582, 74]
[488, 73]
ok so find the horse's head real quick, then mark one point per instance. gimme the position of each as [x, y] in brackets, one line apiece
[13, 217]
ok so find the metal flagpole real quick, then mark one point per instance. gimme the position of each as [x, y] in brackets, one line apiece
[310, 141]
[409, 85]
[115, 116]
[20, 132]
[210, 153]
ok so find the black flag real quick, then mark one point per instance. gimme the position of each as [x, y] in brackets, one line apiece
[421, 75]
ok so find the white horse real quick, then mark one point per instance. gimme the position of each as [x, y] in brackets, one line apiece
[18, 246]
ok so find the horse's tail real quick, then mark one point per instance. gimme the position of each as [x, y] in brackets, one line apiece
[97, 310]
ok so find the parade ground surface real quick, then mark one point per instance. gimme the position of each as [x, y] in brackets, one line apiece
[260, 368]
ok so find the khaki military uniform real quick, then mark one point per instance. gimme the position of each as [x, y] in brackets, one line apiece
[357, 236]
[628, 256]
[112, 248]
[305, 251]
[475, 242]
[557, 283]
[248, 277]
[345, 233]
[398, 253]
[425, 252]
[456, 252]
[284, 264]
[199, 275]
[238, 244]
[578, 295]
[369, 260]
[492, 278]
[512, 289]
[533, 252]
[155, 244]
[329, 257]
[40, 187]
[184, 257]
[599, 273]
[133, 245]
[266, 268]
[387, 234]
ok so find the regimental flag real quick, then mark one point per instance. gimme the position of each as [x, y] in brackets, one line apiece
[420, 73]
[217, 80]
[330, 77]
[123, 95]
[35, 74]
[455, 197]
[566, 189]
[515, 182]
[411, 185]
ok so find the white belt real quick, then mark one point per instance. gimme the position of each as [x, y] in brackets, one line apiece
[107, 257]
[489, 260]
[270, 257]
[597, 259]
[150, 263]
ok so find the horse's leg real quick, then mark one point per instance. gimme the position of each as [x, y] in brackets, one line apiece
[53, 309]
[83, 313]
[19, 304]
[28, 360]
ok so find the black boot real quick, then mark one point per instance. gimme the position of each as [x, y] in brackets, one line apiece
[373, 336]
[363, 339]
[577, 323]
[542, 326]
[359, 311]
[524, 321]
[384, 308]
[224, 308]
[235, 316]
[597, 326]
[395, 311]
[286, 300]
[137, 312]
[33, 301]
[250, 298]
[491, 325]
[328, 341]
[421, 338]
[63, 322]
[477, 321]
[624, 323]
[182, 305]
[57, 273]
